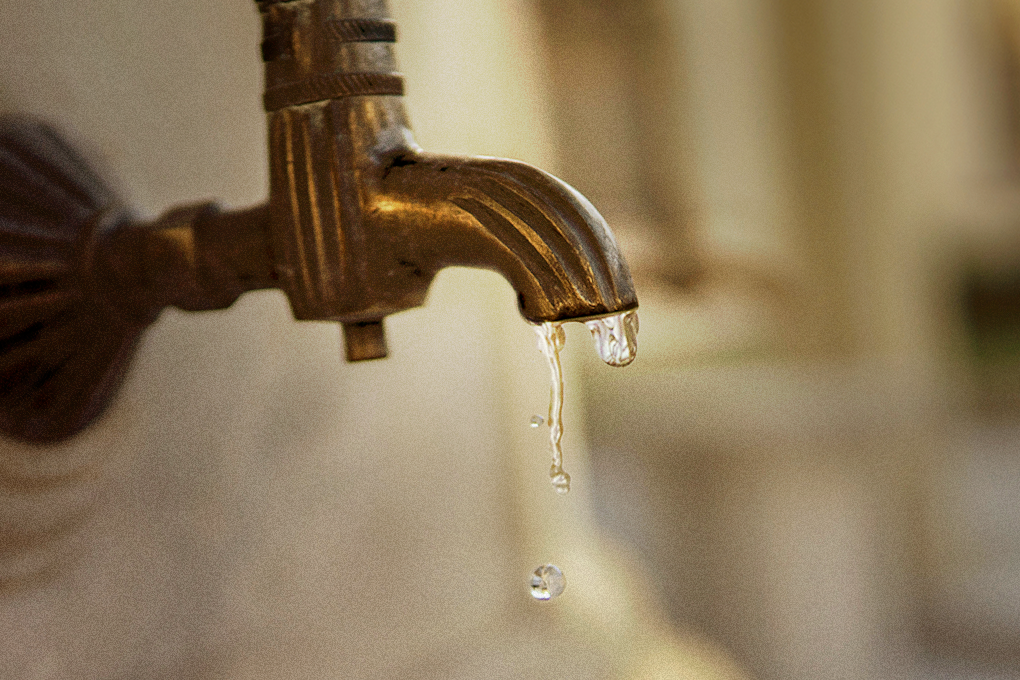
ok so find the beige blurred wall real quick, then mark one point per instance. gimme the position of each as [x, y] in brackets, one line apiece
[816, 491]
[778, 460]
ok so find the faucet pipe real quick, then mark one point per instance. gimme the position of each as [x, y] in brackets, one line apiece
[358, 222]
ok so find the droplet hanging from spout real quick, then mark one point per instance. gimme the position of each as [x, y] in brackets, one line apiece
[615, 337]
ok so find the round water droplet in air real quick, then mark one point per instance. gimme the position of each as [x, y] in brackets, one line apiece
[537, 421]
[547, 582]
[561, 482]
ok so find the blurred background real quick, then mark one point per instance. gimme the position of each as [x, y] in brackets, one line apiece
[820, 200]
[811, 471]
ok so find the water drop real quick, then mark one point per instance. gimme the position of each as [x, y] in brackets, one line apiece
[560, 481]
[547, 582]
[615, 337]
[537, 421]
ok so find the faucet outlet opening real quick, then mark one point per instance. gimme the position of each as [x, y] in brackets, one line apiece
[365, 340]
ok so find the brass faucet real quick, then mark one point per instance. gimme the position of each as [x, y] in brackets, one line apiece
[359, 221]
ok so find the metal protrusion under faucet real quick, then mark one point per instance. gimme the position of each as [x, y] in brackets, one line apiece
[365, 340]
[358, 222]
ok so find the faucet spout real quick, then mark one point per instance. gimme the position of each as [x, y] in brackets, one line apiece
[544, 237]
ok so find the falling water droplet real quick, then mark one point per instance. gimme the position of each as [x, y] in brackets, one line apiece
[537, 421]
[560, 481]
[547, 582]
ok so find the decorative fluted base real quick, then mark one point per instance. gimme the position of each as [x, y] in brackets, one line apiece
[62, 351]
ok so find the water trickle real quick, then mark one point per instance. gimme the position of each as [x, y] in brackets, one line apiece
[615, 337]
[560, 480]
[550, 341]
[547, 582]
[616, 343]
[537, 421]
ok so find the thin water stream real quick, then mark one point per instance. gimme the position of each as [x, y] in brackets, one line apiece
[616, 343]
[551, 339]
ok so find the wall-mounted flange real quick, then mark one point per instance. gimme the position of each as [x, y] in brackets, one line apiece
[62, 355]
[80, 280]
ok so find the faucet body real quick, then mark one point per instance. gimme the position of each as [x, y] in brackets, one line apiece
[362, 218]
[358, 222]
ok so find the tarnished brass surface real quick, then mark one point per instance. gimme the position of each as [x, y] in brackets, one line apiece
[359, 221]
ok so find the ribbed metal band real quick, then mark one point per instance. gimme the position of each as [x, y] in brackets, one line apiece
[362, 30]
[332, 86]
